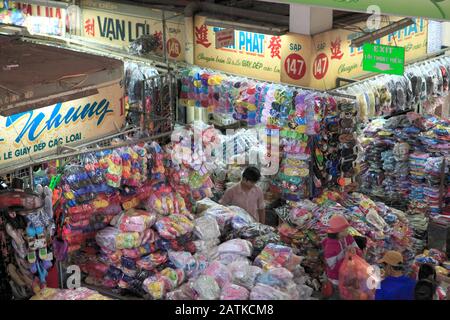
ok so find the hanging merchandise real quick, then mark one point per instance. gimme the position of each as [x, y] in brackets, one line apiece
[423, 87]
[135, 74]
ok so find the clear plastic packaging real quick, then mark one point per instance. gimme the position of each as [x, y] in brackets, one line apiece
[206, 228]
[265, 292]
[219, 272]
[236, 246]
[206, 288]
[234, 292]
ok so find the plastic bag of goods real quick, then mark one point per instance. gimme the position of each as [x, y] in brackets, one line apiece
[206, 228]
[243, 214]
[174, 226]
[205, 204]
[275, 277]
[219, 272]
[265, 292]
[111, 238]
[354, 278]
[236, 246]
[134, 221]
[234, 292]
[243, 274]
[222, 214]
[229, 258]
[155, 287]
[274, 255]
[183, 260]
[184, 292]
[206, 288]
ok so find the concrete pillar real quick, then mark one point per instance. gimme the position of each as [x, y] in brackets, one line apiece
[309, 20]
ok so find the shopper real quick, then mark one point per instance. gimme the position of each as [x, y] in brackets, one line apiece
[335, 246]
[424, 290]
[395, 286]
[427, 272]
[247, 195]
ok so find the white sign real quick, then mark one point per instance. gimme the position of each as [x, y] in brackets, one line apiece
[224, 38]
[434, 37]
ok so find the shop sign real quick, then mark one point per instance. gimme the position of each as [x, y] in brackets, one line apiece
[250, 54]
[37, 19]
[224, 38]
[384, 59]
[435, 36]
[433, 9]
[329, 55]
[34, 133]
[118, 25]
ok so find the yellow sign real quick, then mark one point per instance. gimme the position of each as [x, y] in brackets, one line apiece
[35, 133]
[252, 54]
[118, 25]
[37, 19]
[331, 56]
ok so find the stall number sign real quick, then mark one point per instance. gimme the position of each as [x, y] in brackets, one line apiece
[384, 59]
[224, 38]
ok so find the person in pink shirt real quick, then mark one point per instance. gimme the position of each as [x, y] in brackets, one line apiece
[247, 195]
[335, 246]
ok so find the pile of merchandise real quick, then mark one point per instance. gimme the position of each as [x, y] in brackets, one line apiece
[305, 225]
[422, 88]
[404, 160]
[68, 294]
[251, 264]
[190, 159]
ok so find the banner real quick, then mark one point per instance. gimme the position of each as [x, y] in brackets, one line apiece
[432, 9]
[37, 19]
[118, 25]
[34, 133]
[253, 54]
[331, 55]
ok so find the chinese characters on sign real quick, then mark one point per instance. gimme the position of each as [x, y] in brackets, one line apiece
[275, 46]
[336, 52]
[201, 35]
[89, 27]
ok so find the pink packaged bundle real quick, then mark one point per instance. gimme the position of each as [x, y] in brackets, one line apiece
[219, 272]
[234, 292]
[135, 221]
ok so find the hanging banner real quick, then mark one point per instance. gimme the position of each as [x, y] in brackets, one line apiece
[432, 9]
[34, 133]
[118, 25]
[252, 54]
[37, 19]
[331, 55]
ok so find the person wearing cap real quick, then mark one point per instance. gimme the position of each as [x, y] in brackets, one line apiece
[395, 285]
[337, 243]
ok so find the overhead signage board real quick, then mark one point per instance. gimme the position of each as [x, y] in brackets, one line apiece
[383, 59]
[432, 9]
[224, 38]
[118, 25]
[35, 133]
